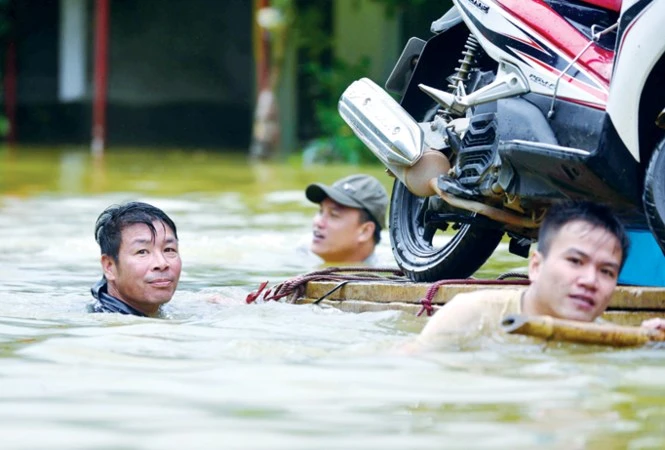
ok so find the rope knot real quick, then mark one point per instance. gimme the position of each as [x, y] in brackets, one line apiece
[427, 307]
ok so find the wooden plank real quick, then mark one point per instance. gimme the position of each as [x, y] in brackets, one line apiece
[624, 297]
[629, 304]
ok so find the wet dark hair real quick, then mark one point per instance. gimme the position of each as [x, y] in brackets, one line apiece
[115, 218]
[365, 216]
[595, 214]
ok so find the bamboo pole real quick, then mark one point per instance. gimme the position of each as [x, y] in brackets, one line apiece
[549, 328]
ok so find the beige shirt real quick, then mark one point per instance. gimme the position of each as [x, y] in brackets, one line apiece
[471, 315]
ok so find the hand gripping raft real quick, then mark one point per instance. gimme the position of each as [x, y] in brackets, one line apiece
[549, 328]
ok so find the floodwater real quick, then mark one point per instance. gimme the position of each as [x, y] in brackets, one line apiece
[264, 376]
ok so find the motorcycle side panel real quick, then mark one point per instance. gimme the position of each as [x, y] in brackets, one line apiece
[574, 125]
[545, 170]
[614, 5]
[523, 33]
[521, 119]
[640, 48]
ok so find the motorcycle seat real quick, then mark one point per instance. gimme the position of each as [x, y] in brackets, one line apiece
[612, 5]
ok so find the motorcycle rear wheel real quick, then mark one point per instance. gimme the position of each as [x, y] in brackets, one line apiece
[413, 236]
[654, 194]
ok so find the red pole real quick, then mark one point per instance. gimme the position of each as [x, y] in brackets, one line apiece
[10, 87]
[100, 77]
[263, 60]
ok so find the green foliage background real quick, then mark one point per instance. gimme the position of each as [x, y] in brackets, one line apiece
[323, 77]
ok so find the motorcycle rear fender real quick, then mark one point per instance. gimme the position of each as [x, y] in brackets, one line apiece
[636, 96]
[399, 77]
[433, 68]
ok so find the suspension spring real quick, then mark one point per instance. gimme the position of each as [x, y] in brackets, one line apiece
[467, 63]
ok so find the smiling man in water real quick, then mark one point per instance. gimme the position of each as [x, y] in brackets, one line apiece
[581, 249]
[140, 260]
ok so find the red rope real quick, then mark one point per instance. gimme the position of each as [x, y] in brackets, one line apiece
[426, 301]
[297, 284]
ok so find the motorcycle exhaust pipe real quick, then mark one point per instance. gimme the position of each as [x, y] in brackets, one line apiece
[398, 141]
[392, 135]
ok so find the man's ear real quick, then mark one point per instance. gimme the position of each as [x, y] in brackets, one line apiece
[535, 263]
[366, 231]
[109, 267]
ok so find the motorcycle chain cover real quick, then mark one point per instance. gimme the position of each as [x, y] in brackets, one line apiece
[478, 149]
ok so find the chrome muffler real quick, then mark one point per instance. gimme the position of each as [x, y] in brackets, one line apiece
[399, 143]
[392, 135]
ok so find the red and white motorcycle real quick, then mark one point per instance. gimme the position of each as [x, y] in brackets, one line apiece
[510, 106]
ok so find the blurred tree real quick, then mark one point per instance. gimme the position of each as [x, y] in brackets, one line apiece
[274, 21]
[323, 78]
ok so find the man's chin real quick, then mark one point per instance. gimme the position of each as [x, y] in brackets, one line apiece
[159, 298]
[319, 251]
[581, 316]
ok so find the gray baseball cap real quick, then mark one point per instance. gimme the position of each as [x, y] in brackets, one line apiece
[355, 191]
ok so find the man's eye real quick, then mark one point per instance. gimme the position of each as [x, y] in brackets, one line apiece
[575, 261]
[171, 250]
[142, 252]
[609, 272]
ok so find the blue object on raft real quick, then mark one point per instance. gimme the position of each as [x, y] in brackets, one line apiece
[645, 265]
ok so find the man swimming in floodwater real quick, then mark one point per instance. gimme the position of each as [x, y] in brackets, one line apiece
[352, 213]
[140, 260]
[581, 249]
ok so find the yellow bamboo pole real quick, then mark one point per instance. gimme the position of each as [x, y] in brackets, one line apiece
[549, 328]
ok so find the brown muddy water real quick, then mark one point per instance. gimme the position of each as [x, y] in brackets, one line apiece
[272, 375]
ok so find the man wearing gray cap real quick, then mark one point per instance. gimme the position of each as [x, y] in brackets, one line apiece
[351, 215]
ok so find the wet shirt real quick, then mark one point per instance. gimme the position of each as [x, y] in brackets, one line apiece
[106, 303]
[473, 314]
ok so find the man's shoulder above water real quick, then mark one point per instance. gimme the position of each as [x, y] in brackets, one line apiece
[477, 312]
[106, 303]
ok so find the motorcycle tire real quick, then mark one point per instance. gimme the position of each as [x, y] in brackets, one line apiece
[654, 194]
[412, 238]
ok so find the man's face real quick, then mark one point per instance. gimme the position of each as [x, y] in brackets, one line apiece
[577, 277]
[338, 233]
[147, 271]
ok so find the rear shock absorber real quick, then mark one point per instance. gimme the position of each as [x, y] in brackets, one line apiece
[467, 63]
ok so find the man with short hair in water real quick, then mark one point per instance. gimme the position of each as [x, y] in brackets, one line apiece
[140, 260]
[581, 249]
[351, 215]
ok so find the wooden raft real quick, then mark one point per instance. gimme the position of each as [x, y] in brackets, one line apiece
[630, 305]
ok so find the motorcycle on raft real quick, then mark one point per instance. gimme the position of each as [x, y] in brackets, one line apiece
[510, 106]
